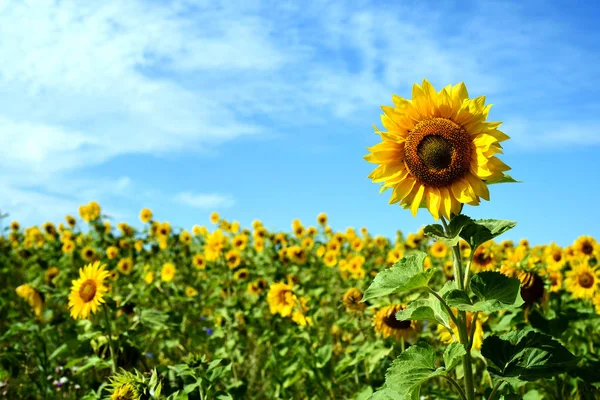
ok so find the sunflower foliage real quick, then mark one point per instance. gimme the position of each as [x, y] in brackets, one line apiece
[94, 309]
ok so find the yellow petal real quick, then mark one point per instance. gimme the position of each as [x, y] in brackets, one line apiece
[417, 200]
[479, 187]
[402, 190]
[433, 202]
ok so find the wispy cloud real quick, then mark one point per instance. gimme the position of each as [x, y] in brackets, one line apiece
[204, 201]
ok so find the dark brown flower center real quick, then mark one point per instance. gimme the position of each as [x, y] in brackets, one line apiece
[438, 152]
[391, 321]
[587, 248]
[557, 256]
[586, 280]
[87, 291]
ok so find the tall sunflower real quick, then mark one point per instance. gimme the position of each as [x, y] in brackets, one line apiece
[438, 150]
[87, 292]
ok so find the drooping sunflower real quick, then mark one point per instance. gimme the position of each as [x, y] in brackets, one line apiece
[87, 292]
[352, 299]
[385, 322]
[438, 150]
[582, 281]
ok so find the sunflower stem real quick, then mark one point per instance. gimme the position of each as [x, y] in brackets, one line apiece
[110, 342]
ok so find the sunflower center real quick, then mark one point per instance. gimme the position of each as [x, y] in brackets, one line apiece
[586, 280]
[587, 249]
[435, 152]
[87, 291]
[438, 152]
[392, 322]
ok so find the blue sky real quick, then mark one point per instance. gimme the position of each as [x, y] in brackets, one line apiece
[265, 109]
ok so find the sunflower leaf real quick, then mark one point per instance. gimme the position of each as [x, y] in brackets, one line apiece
[526, 356]
[429, 309]
[495, 291]
[480, 231]
[410, 370]
[407, 274]
[453, 355]
[451, 238]
[505, 179]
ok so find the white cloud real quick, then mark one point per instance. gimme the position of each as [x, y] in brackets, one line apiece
[204, 201]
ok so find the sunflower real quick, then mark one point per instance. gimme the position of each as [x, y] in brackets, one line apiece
[199, 261]
[385, 322]
[281, 299]
[125, 392]
[532, 287]
[307, 243]
[555, 257]
[190, 291]
[32, 297]
[185, 237]
[484, 259]
[582, 281]
[88, 254]
[14, 226]
[240, 242]
[448, 338]
[259, 245]
[87, 292]
[112, 252]
[68, 246]
[357, 244]
[146, 215]
[556, 280]
[297, 254]
[125, 265]
[438, 150]
[71, 220]
[149, 277]
[585, 245]
[439, 250]
[352, 299]
[167, 273]
[330, 258]
[214, 217]
[394, 255]
[233, 259]
[322, 219]
[241, 274]
[51, 273]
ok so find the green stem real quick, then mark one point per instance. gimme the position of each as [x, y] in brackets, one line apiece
[467, 270]
[456, 386]
[495, 390]
[467, 365]
[110, 342]
[402, 346]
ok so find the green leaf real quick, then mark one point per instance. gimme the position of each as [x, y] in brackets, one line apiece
[428, 309]
[482, 230]
[411, 369]
[387, 394]
[364, 394]
[324, 354]
[494, 291]
[56, 352]
[455, 226]
[505, 179]
[526, 356]
[453, 355]
[407, 274]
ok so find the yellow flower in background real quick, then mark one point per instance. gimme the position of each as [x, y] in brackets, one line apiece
[146, 215]
[259, 245]
[330, 258]
[31, 296]
[87, 292]
[556, 280]
[448, 338]
[281, 299]
[167, 273]
[240, 242]
[112, 252]
[125, 265]
[596, 302]
[233, 259]
[582, 281]
[68, 246]
[15, 226]
[585, 245]
[438, 150]
[322, 219]
[164, 229]
[352, 299]
[439, 250]
[88, 254]
[71, 221]
[301, 319]
[214, 217]
[185, 237]
[199, 261]
[190, 291]
[297, 254]
[50, 274]
[149, 277]
[241, 274]
[385, 322]
[235, 227]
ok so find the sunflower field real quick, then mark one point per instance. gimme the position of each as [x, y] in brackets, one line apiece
[93, 309]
